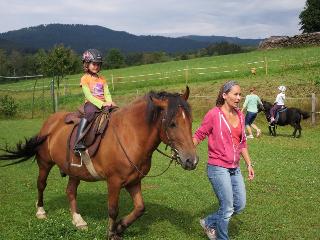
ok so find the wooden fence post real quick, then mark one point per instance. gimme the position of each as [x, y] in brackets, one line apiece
[266, 65]
[33, 93]
[186, 75]
[313, 108]
[43, 103]
[112, 82]
[54, 96]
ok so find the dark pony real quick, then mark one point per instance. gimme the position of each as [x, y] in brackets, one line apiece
[123, 158]
[291, 116]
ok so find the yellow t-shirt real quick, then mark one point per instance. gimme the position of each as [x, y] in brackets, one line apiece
[95, 84]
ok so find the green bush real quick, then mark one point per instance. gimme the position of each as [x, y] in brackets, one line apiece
[8, 107]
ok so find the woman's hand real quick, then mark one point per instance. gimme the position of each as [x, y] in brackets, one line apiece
[195, 142]
[250, 172]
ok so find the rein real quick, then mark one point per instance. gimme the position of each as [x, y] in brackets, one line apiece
[174, 154]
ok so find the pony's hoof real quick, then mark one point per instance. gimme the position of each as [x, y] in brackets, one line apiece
[114, 237]
[41, 213]
[41, 216]
[83, 227]
[78, 221]
[120, 227]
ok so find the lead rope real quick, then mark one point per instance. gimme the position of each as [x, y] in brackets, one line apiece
[132, 164]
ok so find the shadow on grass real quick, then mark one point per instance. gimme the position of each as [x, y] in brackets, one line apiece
[285, 135]
[94, 206]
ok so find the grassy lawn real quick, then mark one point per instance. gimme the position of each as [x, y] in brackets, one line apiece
[282, 201]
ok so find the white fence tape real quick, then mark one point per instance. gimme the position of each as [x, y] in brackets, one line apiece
[165, 74]
[22, 77]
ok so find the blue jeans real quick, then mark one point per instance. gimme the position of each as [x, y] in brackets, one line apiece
[229, 188]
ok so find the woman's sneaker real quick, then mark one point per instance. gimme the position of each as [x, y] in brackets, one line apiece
[211, 232]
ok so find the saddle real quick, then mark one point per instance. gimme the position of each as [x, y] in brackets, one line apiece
[282, 109]
[93, 133]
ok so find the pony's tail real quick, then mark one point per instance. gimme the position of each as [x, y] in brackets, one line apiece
[304, 114]
[23, 151]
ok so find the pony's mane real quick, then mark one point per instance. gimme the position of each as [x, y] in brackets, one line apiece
[174, 102]
[267, 104]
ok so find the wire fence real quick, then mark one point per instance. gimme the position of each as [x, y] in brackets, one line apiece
[44, 89]
[187, 74]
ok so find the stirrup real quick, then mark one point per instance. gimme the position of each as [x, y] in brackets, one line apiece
[77, 153]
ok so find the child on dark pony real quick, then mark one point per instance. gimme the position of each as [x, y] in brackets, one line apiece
[278, 104]
[96, 92]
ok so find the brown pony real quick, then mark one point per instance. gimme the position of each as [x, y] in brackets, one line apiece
[140, 127]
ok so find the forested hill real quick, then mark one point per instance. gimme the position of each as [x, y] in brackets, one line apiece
[80, 37]
[9, 45]
[217, 39]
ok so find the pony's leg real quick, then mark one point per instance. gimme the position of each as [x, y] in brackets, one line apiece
[294, 131]
[136, 195]
[71, 191]
[113, 208]
[270, 130]
[44, 169]
[299, 129]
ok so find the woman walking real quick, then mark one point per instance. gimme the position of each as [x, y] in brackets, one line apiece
[224, 127]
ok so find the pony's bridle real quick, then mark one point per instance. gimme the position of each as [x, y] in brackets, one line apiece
[174, 152]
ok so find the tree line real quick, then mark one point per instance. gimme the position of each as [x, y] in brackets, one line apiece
[61, 61]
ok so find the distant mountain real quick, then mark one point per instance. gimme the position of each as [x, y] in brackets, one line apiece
[217, 39]
[81, 37]
[9, 45]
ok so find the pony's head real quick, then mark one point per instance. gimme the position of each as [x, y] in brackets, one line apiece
[174, 114]
[266, 106]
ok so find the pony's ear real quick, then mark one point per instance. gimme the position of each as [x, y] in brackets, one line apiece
[159, 103]
[185, 95]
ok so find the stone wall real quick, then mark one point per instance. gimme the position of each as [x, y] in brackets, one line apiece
[285, 41]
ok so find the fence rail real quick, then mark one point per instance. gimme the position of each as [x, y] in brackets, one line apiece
[183, 74]
[187, 73]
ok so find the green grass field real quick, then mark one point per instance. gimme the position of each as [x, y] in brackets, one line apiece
[282, 201]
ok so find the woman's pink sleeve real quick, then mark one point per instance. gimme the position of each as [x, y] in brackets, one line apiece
[205, 128]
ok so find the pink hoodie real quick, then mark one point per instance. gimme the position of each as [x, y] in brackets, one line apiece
[221, 150]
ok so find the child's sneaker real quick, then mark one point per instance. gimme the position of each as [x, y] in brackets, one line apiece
[250, 136]
[272, 120]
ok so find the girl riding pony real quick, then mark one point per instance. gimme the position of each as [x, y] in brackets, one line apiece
[96, 92]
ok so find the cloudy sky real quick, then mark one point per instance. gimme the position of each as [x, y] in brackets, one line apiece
[236, 18]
